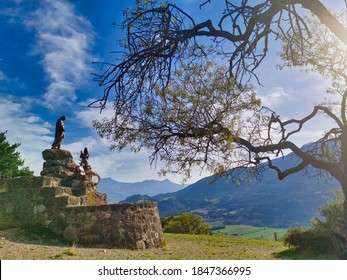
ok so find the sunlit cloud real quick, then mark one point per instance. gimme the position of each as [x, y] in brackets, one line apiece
[31, 131]
[3, 77]
[63, 40]
[274, 97]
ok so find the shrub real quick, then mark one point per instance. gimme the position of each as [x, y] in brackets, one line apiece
[309, 240]
[187, 223]
[317, 239]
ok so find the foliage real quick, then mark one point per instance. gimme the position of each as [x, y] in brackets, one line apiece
[325, 54]
[193, 122]
[186, 223]
[155, 81]
[159, 35]
[306, 240]
[318, 238]
[11, 164]
[294, 254]
[159, 79]
[322, 52]
[6, 221]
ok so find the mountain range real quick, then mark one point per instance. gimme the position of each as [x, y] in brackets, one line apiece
[269, 202]
[117, 191]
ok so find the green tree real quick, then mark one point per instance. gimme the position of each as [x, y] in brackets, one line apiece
[318, 238]
[11, 164]
[186, 223]
[192, 122]
[163, 41]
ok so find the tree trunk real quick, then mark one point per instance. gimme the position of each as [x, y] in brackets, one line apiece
[340, 227]
[340, 231]
[340, 238]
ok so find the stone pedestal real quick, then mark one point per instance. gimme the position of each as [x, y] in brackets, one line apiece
[60, 164]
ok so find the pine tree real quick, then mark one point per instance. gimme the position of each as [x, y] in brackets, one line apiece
[11, 164]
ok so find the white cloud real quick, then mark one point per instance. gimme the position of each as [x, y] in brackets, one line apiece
[274, 97]
[36, 135]
[63, 39]
[23, 127]
[123, 166]
[87, 115]
[334, 5]
[3, 77]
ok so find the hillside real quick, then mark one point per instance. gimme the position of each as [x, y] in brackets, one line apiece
[268, 202]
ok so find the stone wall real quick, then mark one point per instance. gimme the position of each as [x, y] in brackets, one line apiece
[69, 204]
[34, 200]
[120, 225]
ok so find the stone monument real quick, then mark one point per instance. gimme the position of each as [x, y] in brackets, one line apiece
[69, 204]
[65, 200]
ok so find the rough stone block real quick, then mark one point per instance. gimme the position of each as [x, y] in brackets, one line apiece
[68, 163]
[57, 171]
[50, 181]
[55, 191]
[79, 192]
[62, 201]
[54, 154]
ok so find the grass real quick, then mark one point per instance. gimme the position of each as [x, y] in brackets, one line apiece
[294, 254]
[15, 244]
[7, 222]
[185, 246]
[65, 252]
[263, 233]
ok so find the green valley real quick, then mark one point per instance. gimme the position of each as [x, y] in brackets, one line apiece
[261, 233]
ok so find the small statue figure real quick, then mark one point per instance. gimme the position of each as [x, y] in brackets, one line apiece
[84, 165]
[59, 133]
[84, 162]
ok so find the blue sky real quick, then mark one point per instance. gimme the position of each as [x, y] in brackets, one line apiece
[47, 50]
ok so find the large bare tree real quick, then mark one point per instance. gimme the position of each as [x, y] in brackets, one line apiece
[167, 98]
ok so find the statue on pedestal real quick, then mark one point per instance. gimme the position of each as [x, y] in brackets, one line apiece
[84, 164]
[59, 133]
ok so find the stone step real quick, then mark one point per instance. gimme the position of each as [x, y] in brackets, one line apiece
[55, 191]
[62, 201]
[48, 181]
[31, 182]
[57, 172]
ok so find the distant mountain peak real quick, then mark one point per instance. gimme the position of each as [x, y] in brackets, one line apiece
[117, 191]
